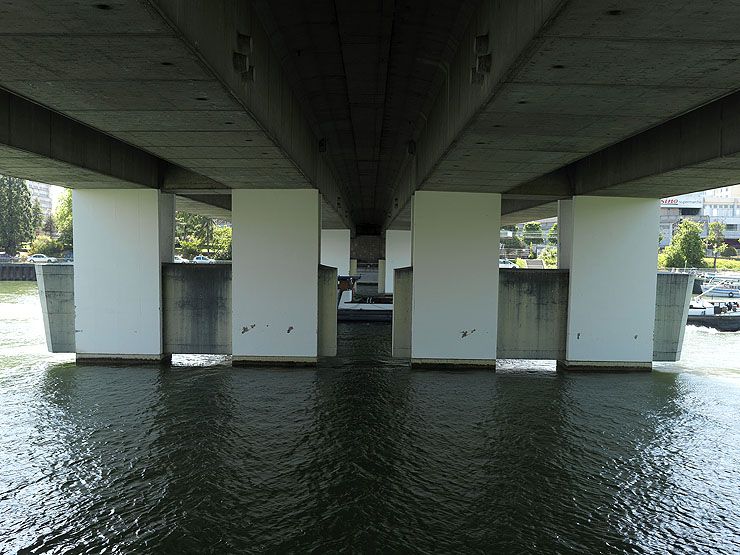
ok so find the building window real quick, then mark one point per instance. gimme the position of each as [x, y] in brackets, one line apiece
[731, 227]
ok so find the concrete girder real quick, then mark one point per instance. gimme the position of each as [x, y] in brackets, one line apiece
[587, 77]
[232, 46]
[697, 151]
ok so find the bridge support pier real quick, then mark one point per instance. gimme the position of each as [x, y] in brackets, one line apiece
[275, 269]
[335, 245]
[455, 282]
[604, 242]
[121, 239]
[397, 254]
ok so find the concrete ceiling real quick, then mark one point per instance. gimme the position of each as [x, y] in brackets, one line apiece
[371, 101]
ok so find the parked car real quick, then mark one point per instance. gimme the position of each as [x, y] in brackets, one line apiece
[506, 263]
[179, 259]
[200, 259]
[41, 259]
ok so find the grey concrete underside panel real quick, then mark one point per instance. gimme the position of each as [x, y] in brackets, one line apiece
[160, 76]
[568, 79]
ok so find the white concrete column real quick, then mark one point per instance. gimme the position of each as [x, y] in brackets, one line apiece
[121, 237]
[275, 261]
[565, 234]
[455, 278]
[613, 275]
[397, 254]
[335, 249]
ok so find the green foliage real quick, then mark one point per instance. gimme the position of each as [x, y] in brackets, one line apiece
[727, 251]
[16, 214]
[532, 253]
[193, 227]
[222, 243]
[716, 239]
[533, 233]
[552, 235]
[725, 264]
[686, 249]
[43, 244]
[550, 257]
[63, 219]
[37, 216]
[520, 263]
[190, 248]
[662, 260]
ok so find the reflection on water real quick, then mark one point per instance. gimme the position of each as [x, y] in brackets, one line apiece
[363, 453]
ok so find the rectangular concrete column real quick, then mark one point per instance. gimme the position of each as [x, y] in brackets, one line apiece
[121, 237]
[275, 265]
[455, 278]
[397, 254]
[565, 234]
[335, 249]
[611, 302]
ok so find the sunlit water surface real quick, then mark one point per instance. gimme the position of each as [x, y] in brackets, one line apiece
[363, 454]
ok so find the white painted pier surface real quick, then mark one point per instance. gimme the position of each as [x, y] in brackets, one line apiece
[335, 245]
[455, 243]
[397, 255]
[611, 310]
[121, 238]
[275, 268]
[533, 311]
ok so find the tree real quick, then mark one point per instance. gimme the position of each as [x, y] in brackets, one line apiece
[190, 248]
[43, 244]
[715, 239]
[552, 235]
[193, 227]
[686, 248]
[63, 219]
[16, 218]
[533, 233]
[37, 216]
[222, 243]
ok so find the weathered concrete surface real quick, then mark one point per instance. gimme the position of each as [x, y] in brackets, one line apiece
[533, 308]
[56, 292]
[196, 307]
[671, 310]
[403, 283]
[532, 313]
[327, 311]
[17, 272]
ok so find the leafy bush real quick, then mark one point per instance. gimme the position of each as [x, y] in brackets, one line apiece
[520, 263]
[687, 248]
[725, 264]
[191, 248]
[222, 243]
[550, 257]
[43, 244]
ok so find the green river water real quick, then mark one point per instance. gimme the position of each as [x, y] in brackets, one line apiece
[362, 454]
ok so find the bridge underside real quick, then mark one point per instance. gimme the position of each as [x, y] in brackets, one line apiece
[352, 113]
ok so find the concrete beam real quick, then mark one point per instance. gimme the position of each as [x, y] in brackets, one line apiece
[233, 46]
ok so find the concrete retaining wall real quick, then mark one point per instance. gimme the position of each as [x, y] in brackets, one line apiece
[671, 310]
[403, 283]
[196, 305]
[533, 307]
[327, 311]
[17, 272]
[56, 291]
[532, 314]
